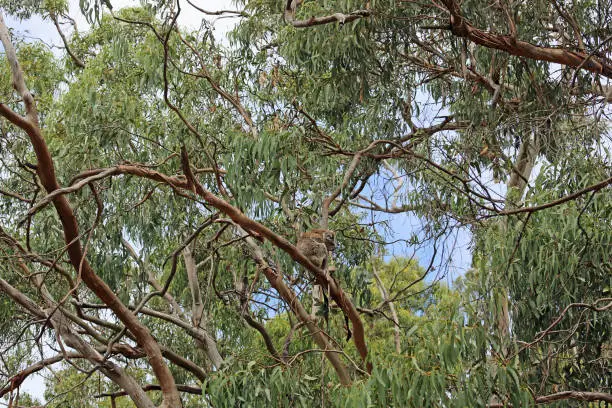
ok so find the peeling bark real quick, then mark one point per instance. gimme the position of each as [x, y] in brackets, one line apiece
[460, 27]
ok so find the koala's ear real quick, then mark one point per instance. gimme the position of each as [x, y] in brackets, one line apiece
[330, 240]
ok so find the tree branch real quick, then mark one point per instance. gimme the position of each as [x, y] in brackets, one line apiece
[79, 63]
[460, 27]
[332, 18]
[46, 173]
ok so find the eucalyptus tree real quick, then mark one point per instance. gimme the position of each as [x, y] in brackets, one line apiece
[154, 180]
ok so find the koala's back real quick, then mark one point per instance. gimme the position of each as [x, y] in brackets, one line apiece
[309, 246]
[312, 249]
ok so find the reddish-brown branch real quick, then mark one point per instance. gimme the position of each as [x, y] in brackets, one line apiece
[460, 27]
[564, 395]
[249, 225]
[46, 173]
[17, 379]
[179, 182]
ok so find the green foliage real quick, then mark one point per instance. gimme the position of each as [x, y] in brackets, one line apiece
[82, 390]
[271, 125]
[247, 385]
[550, 260]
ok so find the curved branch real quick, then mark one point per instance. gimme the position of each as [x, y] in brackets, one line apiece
[460, 27]
[79, 63]
[237, 13]
[592, 306]
[66, 190]
[564, 395]
[18, 379]
[46, 173]
[569, 197]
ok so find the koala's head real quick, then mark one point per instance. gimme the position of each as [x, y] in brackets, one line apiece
[329, 239]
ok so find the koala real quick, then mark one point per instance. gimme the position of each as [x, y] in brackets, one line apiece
[315, 244]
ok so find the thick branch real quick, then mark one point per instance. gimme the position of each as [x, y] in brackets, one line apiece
[460, 27]
[276, 280]
[564, 395]
[250, 225]
[46, 173]
[62, 327]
